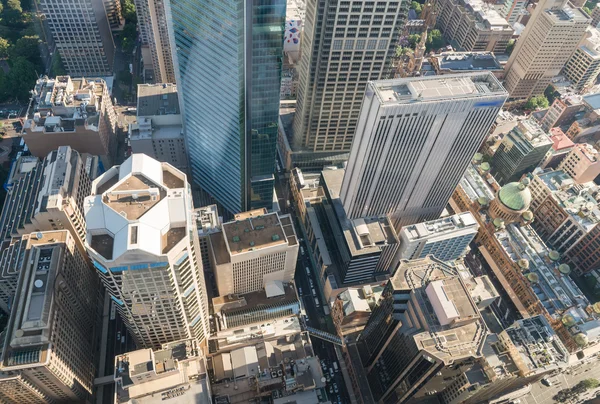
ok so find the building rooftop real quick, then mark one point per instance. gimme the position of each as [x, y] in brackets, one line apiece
[560, 141]
[251, 231]
[515, 195]
[442, 225]
[591, 42]
[577, 199]
[467, 61]
[476, 186]
[157, 99]
[566, 14]
[465, 85]
[141, 204]
[365, 235]
[555, 290]
[361, 299]
[176, 373]
[454, 327]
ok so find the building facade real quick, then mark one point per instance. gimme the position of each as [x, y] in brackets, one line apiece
[72, 112]
[254, 249]
[228, 67]
[50, 346]
[521, 150]
[512, 10]
[582, 163]
[473, 26]
[584, 66]
[82, 34]
[447, 238]
[154, 35]
[144, 244]
[344, 47]
[550, 38]
[398, 164]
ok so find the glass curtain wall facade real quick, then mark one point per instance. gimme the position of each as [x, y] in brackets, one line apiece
[228, 64]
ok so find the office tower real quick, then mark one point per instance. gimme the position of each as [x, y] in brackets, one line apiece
[549, 39]
[48, 354]
[208, 221]
[521, 151]
[582, 163]
[399, 163]
[254, 249]
[113, 13]
[595, 16]
[228, 66]
[473, 26]
[81, 32]
[512, 10]
[365, 247]
[343, 47]
[156, 42]
[176, 371]
[407, 343]
[447, 238]
[72, 112]
[144, 244]
[158, 132]
[583, 67]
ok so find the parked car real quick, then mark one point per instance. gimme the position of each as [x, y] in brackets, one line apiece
[546, 382]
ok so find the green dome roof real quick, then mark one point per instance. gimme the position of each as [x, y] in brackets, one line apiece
[569, 320]
[482, 200]
[515, 196]
[564, 269]
[554, 255]
[478, 157]
[527, 215]
[485, 166]
[581, 339]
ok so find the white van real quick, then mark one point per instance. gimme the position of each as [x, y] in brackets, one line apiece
[308, 271]
[301, 250]
[317, 302]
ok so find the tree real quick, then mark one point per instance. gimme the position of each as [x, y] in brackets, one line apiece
[21, 78]
[587, 10]
[128, 11]
[414, 39]
[27, 47]
[434, 40]
[589, 383]
[12, 14]
[510, 46]
[14, 5]
[551, 94]
[537, 102]
[4, 47]
[57, 68]
[416, 6]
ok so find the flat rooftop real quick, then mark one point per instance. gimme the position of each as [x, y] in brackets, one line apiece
[409, 90]
[157, 99]
[134, 197]
[467, 61]
[442, 226]
[251, 232]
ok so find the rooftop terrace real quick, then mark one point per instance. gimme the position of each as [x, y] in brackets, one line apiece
[252, 231]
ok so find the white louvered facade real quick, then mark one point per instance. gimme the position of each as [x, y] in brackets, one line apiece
[413, 143]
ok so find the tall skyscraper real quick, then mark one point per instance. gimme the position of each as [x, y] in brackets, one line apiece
[407, 343]
[344, 45]
[415, 139]
[81, 31]
[228, 69]
[48, 353]
[521, 151]
[583, 67]
[550, 38]
[144, 244]
[154, 34]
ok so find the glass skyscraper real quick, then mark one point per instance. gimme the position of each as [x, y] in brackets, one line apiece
[228, 63]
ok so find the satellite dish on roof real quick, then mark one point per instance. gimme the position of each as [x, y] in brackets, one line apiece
[39, 235]
[38, 283]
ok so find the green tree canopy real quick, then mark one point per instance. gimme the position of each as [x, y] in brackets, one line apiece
[20, 79]
[434, 40]
[416, 6]
[414, 39]
[590, 383]
[4, 47]
[537, 102]
[27, 47]
[128, 10]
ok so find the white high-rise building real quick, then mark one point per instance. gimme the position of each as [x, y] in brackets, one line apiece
[82, 34]
[414, 141]
[446, 239]
[144, 243]
[255, 249]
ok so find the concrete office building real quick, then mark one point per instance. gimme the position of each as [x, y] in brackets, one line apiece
[158, 132]
[582, 163]
[512, 10]
[208, 221]
[561, 146]
[49, 351]
[113, 14]
[584, 66]
[522, 149]
[595, 16]
[398, 164]
[447, 238]
[228, 66]
[156, 43]
[72, 112]
[550, 38]
[366, 246]
[473, 26]
[344, 46]
[177, 370]
[254, 249]
[407, 343]
[82, 34]
[144, 243]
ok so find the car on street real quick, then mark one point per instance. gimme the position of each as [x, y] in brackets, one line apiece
[335, 388]
[300, 291]
[317, 302]
[546, 382]
[314, 292]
